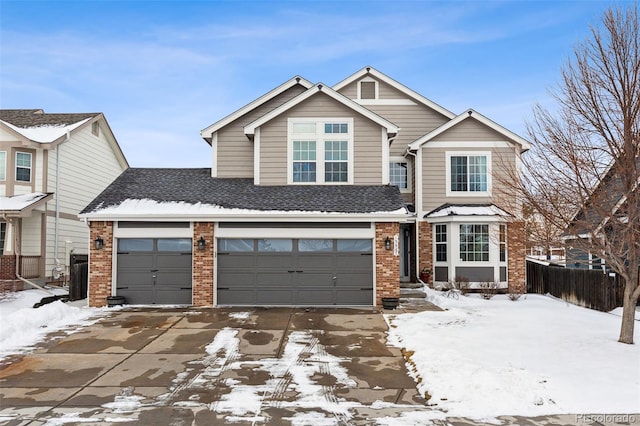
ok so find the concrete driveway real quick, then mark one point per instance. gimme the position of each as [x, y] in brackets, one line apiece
[213, 366]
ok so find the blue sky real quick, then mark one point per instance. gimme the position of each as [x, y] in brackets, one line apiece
[161, 71]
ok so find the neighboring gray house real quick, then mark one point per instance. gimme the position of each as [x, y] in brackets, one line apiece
[51, 166]
[316, 195]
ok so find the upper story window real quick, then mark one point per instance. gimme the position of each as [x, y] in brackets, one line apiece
[399, 174]
[3, 165]
[468, 173]
[320, 150]
[23, 167]
[367, 89]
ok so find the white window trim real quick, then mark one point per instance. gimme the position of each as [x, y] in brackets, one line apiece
[3, 178]
[402, 160]
[320, 137]
[376, 88]
[30, 167]
[447, 243]
[449, 192]
[214, 154]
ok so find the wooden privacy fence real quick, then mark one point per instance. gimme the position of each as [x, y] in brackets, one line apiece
[78, 277]
[583, 287]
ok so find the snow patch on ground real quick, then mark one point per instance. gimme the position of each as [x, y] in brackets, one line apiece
[22, 326]
[535, 356]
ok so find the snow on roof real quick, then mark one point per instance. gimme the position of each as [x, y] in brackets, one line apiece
[45, 133]
[146, 207]
[21, 202]
[467, 210]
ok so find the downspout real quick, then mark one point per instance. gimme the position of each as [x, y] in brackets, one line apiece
[17, 252]
[57, 271]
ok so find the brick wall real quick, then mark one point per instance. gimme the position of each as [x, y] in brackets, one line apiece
[425, 248]
[7, 267]
[100, 266]
[516, 252]
[387, 265]
[203, 271]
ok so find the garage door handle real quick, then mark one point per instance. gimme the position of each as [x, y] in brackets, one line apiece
[185, 288]
[291, 272]
[154, 270]
[299, 272]
[223, 288]
[366, 254]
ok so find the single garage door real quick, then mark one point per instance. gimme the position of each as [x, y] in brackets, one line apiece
[154, 270]
[295, 272]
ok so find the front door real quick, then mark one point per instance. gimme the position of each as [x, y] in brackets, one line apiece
[405, 253]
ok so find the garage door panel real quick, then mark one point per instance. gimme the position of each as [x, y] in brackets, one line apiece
[267, 279]
[138, 278]
[236, 278]
[354, 262]
[354, 296]
[135, 260]
[273, 261]
[316, 279]
[171, 280]
[236, 296]
[315, 296]
[174, 296]
[235, 261]
[309, 261]
[177, 260]
[275, 296]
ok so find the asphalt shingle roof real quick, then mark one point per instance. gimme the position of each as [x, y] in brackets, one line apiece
[26, 118]
[197, 186]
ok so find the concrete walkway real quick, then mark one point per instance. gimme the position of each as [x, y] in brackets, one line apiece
[222, 366]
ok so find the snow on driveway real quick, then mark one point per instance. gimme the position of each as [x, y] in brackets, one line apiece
[537, 355]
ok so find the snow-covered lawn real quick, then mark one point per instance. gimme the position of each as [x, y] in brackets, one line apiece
[537, 355]
[22, 326]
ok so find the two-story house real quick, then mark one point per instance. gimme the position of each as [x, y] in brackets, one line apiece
[51, 166]
[319, 196]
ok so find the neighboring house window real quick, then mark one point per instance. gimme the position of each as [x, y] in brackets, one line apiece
[3, 232]
[503, 243]
[95, 128]
[474, 243]
[468, 173]
[441, 243]
[3, 165]
[399, 174]
[23, 166]
[321, 151]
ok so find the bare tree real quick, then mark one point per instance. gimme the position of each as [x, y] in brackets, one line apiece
[584, 170]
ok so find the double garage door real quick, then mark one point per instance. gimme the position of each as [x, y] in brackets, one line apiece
[280, 271]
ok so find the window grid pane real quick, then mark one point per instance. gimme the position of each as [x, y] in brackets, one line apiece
[304, 156]
[477, 173]
[398, 175]
[458, 173]
[336, 156]
[336, 128]
[474, 243]
[441, 243]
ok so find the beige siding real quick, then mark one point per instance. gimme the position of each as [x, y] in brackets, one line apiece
[235, 150]
[434, 176]
[470, 130]
[367, 142]
[31, 229]
[385, 91]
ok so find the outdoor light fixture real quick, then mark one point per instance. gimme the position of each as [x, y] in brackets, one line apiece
[387, 243]
[201, 243]
[99, 242]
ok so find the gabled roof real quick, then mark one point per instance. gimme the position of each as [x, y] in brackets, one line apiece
[470, 114]
[396, 85]
[38, 126]
[21, 205]
[149, 193]
[250, 128]
[206, 133]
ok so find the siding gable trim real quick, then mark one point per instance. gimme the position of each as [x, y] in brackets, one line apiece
[207, 132]
[250, 128]
[524, 144]
[393, 83]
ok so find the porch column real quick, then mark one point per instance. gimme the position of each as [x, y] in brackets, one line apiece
[387, 262]
[100, 263]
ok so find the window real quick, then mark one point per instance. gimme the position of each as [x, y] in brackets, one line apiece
[275, 245]
[95, 128]
[320, 151]
[367, 89]
[3, 233]
[23, 166]
[399, 174]
[474, 243]
[315, 245]
[3, 165]
[441, 243]
[468, 173]
[503, 243]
